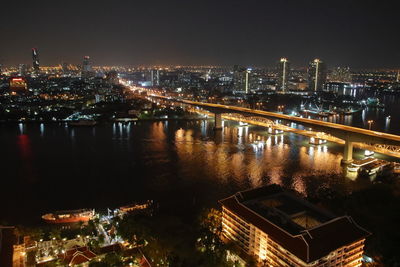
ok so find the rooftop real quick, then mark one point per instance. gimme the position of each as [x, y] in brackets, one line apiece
[304, 229]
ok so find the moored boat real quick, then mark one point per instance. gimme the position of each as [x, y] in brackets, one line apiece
[69, 216]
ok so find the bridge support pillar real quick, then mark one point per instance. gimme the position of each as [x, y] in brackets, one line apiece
[348, 152]
[218, 121]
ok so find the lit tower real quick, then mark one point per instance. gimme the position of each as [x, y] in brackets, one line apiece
[316, 75]
[283, 74]
[35, 58]
[86, 67]
[247, 80]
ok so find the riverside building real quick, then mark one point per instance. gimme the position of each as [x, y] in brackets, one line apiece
[281, 229]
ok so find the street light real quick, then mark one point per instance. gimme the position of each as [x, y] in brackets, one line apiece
[370, 123]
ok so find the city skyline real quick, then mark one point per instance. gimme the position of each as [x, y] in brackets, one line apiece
[222, 33]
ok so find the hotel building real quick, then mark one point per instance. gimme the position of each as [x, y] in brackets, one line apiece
[281, 229]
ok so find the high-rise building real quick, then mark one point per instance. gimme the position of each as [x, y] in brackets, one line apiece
[35, 58]
[86, 67]
[283, 72]
[316, 75]
[341, 74]
[280, 229]
[155, 77]
[241, 79]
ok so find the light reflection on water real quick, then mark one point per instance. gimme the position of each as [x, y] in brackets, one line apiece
[176, 162]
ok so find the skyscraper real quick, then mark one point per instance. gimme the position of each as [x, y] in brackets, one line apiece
[283, 72]
[316, 75]
[35, 58]
[238, 78]
[86, 67]
[241, 79]
[155, 77]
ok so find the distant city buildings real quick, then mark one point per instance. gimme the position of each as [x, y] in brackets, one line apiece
[283, 72]
[341, 74]
[316, 75]
[281, 229]
[23, 70]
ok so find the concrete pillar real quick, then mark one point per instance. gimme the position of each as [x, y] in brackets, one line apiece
[348, 152]
[218, 121]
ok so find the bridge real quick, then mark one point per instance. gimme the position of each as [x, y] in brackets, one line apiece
[348, 135]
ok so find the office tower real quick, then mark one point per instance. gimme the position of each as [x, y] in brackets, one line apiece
[280, 229]
[283, 74]
[35, 58]
[316, 75]
[247, 74]
[155, 77]
[241, 79]
[1, 69]
[86, 67]
[341, 74]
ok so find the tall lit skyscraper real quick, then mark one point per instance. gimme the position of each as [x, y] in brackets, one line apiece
[86, 67]
[155, 77]
[35, 58]
[283, 72]
[316, 75]
[247, 74]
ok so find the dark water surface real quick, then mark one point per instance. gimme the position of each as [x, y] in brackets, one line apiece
[182, 164]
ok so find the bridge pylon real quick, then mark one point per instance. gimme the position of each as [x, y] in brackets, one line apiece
[348, 152]
[217, 121]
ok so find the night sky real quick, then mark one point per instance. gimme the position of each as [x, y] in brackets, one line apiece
[355, 33]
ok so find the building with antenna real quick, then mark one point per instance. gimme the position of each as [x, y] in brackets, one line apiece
[279, 228]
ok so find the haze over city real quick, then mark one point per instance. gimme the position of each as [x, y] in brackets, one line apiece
[359, 34]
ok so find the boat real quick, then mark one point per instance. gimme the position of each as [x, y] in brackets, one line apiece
[373, 102]
[357, 164]
[317, 141]
[374, 167]
[82, 123]
[135, 207]
[368, 153]
[69, 216]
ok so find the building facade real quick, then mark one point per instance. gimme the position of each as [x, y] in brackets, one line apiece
[35, 59]
[316, 75]
[280, 229]
[283, 72]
